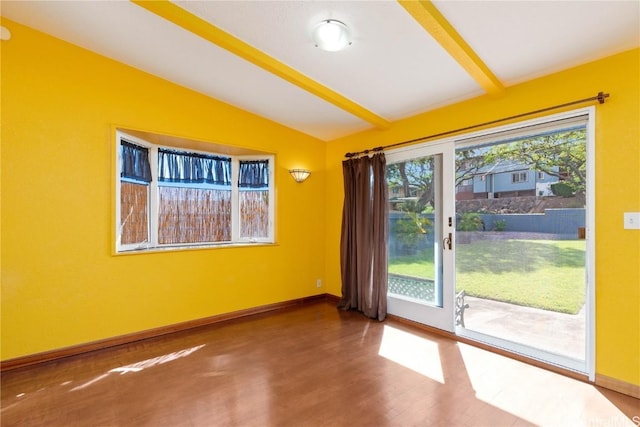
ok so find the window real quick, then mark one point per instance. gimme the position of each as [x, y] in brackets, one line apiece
[517, 177]
[170, 197]
[540, 175]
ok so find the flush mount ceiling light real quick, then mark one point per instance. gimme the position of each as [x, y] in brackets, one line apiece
[331, 35]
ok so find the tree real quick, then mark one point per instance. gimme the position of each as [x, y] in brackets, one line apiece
[415, 177]
[469, 162]
[561, 154]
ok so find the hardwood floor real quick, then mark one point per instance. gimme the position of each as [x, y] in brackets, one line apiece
[307, 366]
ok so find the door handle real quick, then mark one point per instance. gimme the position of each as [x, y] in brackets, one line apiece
[448, 241]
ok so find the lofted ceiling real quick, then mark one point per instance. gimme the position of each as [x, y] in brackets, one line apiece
[406, 57]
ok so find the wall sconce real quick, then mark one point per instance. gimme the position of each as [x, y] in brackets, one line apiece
[5, 34]
[299, 174]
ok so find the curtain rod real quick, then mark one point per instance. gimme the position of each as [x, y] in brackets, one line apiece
[600, 98]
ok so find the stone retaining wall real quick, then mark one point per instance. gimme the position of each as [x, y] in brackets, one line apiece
[508, 205]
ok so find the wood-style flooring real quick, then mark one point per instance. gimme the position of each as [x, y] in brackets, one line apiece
[308, 366]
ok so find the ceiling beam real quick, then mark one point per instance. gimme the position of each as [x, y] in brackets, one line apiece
[430, 18]
[215, 35]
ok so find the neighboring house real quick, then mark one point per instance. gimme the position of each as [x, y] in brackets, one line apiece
[505, 179]
[396, 196]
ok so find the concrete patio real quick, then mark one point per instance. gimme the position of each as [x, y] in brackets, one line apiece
[548, 330]
[551, 331]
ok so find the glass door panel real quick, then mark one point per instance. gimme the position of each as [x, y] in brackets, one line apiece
[417, 287]
[520, 244]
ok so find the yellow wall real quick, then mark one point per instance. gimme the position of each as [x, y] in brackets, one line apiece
[617, 187]
[61, 285]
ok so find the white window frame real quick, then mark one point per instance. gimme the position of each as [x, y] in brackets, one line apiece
[518, 177]
[235, 202]
[152, 244]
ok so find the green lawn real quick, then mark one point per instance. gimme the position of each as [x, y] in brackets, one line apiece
[548, 274]
[420, 265]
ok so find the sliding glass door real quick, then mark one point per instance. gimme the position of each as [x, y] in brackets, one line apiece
[491, 237]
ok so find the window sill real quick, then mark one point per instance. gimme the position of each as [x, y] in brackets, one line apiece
[164, 249]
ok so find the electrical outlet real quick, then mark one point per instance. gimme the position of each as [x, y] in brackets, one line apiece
[632, 220]
[318, 283]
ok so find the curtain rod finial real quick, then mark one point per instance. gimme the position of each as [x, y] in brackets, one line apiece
[602, 96]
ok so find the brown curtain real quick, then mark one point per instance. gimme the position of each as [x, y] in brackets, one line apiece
[363, 245]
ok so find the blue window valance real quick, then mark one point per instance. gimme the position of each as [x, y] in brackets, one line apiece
[253, 174]
[135, 162]
[193, 168]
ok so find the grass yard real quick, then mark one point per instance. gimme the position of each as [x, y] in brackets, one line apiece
[547, 274]
[420, 265]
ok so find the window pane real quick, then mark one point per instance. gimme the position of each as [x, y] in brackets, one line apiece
[415, 252]
[134, 202]
[135, 162]
[193, 215]
[192, 168]
[521, 255]
[254, 214]
[254, 174]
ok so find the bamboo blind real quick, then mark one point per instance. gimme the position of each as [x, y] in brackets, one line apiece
[133, 213]
[193, 215]
[254, 213]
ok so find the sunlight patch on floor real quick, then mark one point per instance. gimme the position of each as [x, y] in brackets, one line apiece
[413, 352]
[491, 377]
[139, 366]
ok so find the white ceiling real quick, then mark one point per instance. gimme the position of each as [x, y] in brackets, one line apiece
[393, 69]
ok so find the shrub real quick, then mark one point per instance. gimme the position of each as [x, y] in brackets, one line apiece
[500, 225]
[471, 221]
[562, 189]
[411, 229]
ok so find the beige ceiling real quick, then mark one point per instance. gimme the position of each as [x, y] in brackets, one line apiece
[259, 55]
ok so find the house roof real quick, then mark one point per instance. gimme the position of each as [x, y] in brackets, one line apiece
[502, 167]
[406, 57]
